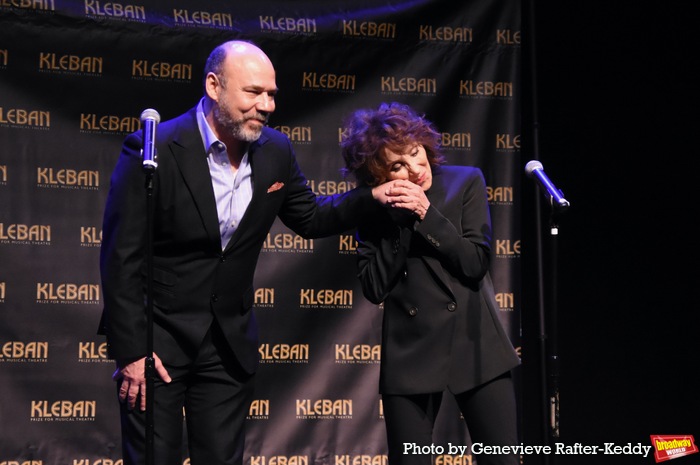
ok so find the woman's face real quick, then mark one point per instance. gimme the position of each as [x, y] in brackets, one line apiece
[410, 164]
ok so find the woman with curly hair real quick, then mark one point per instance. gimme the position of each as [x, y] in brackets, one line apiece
[426, 258]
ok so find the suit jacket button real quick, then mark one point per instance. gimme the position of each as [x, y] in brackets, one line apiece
[452, 306]
[214, 297]
[413, 311]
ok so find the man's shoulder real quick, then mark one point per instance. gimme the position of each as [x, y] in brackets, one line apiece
[187, 119]
[274, 135]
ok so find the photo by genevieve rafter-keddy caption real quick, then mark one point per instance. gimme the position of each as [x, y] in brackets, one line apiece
[662, 448]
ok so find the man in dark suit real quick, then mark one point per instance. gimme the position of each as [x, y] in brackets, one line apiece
[222, 179]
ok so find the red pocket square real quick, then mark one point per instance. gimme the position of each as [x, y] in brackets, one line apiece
[275, 187]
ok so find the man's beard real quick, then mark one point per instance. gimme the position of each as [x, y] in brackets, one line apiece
[236, 126]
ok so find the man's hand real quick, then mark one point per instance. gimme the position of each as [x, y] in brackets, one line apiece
[133, 381]
[404, 195]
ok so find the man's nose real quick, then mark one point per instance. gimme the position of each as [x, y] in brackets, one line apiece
[266, 102]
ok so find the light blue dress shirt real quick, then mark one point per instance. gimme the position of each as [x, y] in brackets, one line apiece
[232, 191]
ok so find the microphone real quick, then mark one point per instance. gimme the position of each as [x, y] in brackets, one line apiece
[535, 170]
[149, 120]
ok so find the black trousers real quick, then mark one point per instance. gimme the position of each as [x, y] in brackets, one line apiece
[489, 411]
[211, 396]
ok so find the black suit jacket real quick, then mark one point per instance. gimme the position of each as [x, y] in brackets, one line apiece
[194, 280]
[441, 327]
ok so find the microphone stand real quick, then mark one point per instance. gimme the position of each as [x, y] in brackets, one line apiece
[150, 118]
[553, 360]
[149, 170]
[551, 339]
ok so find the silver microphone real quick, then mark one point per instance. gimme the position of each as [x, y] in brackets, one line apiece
[149, 120]
[535, 170]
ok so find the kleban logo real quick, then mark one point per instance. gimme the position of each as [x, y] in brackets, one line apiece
[279, 460]
[202, 18]
[330, 187]
[667, 447]
[23, 118]
[287, 242]
[286, 24]
[115, 10]
[325, 298]
[354, 28]
[264, 297]
[296, 134]
[284, 353]
[361, 460]
[323, 409]
[427, 32]
[259, 410]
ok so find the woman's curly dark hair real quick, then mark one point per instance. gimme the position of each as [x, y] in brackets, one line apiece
[394, 126]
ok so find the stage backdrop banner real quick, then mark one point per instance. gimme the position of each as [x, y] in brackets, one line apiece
[74, 79]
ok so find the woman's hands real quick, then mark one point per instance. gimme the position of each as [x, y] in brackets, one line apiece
[404, 195]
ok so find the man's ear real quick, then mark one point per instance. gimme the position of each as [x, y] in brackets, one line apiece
[212, 86]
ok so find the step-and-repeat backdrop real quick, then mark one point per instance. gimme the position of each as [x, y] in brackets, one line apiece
[74, 79]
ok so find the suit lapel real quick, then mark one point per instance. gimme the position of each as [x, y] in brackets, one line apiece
[436, 195]
[191, 159]
[260, 174]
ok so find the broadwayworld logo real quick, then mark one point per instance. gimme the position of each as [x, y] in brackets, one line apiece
[667, 447]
